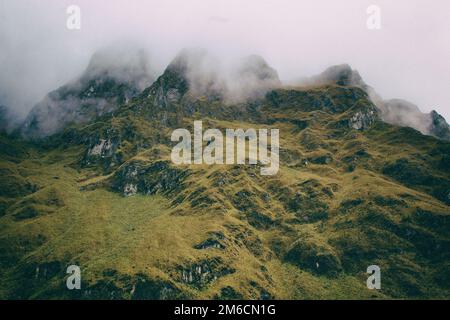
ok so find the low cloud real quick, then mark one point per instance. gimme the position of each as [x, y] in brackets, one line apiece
[407, 57]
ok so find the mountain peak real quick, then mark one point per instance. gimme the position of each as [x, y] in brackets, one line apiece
[439, 126]
[341, 74]
[188, 58]
[112, 77]
[202, 74]
[394, 111]
[122, 65]
[255, 66]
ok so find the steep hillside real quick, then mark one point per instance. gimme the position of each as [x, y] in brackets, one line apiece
[352, 191]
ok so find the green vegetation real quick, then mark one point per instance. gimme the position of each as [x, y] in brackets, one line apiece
[351, 192]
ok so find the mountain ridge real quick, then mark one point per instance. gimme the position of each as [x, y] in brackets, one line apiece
[352, 191]
[251, 79]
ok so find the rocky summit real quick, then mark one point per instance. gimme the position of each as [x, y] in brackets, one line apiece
[95, 187]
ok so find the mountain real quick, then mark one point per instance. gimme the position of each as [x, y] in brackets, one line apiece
[112, 78]
[439, 126]
[352, 191]
[3, 117]
[396, 111]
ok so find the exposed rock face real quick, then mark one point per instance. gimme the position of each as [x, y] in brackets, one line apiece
[154, 289]
[112, 78]
[214, 241]
[439, 127]
[362, 120]
[203, 272]
[395, 111]
[171, 85]
[148, 178]
[103, 150]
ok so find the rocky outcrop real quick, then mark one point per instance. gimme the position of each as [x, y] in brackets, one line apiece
[148, 178]
[214, 241]
[103, 150]
[439, 126]
[363, 119]
[395, 111]
[203, 272]
[314, 256]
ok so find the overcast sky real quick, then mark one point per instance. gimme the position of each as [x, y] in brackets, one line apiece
[409, 57]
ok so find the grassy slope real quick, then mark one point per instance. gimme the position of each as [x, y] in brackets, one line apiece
[371, 218]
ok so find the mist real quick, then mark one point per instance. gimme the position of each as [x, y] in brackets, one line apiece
[233, 80]
[407, 58]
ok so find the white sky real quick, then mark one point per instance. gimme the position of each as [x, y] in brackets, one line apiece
[408, 58]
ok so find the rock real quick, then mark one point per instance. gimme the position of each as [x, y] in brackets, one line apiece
[362, 120]
[260, 220]
[130, 189]
[242, 200]
[323, 159]
[214, 241]
[155, 289]
[102, 149]
[203, 272]
[148, 178]
[315, 256]
[439, 126]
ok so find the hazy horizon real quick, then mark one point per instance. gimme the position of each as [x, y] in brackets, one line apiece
[407, 58]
